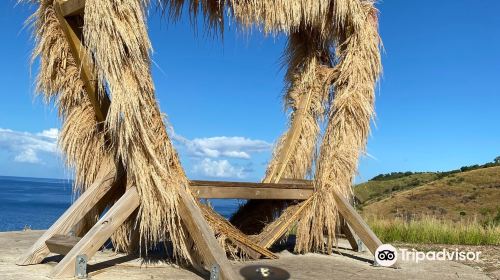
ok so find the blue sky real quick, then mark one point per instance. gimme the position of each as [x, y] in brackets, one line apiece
[437, 103]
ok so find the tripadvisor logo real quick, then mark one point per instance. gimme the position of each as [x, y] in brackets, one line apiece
[386, 255]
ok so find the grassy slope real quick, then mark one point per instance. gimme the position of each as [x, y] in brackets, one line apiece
[471, 194]
[375, 190]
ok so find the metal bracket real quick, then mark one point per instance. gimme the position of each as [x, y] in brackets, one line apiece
[215, 272]
[81, 267]
[361, 247]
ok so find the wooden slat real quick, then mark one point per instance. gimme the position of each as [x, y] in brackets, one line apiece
[349, 235]
[244, 190]
[296, 181]
[357, 223]
[209, 249]
[291, 140]
[281, 229]
[72, 7]
[99, 103]
[292, 184]
[98, 234]
[76, 212]
[61, 244]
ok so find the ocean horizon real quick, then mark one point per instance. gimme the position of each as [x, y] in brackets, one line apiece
[36, 203]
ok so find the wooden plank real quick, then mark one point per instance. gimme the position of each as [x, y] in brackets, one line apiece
[281, 229]
[291, 139]
[291, 184]
[357, 223]
[72, 7]
[61, 244]
[244, 190]
[99, 103]
[203, 236]
[74, 214]
[98, 234]
[349, 235]
[296, 181]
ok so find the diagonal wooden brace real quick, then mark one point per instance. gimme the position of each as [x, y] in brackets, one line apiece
[98, 234]
[103, 184]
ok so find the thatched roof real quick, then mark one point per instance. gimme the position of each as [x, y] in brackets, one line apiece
[332, 60]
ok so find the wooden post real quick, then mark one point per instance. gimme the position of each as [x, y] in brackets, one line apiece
[98, 234]
[349, 235]
[290, 141]
[357, 223]
[105, 180]
[99, 103]
[203, 236]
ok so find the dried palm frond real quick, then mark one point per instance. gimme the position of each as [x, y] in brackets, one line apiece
[345, 35]
[211, 10]
[348, 127]
[308, 81]
[234, 241]
[81, 140]
[116, 35]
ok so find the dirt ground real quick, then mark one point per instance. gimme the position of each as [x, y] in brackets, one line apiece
[488, 263]
[344, 264]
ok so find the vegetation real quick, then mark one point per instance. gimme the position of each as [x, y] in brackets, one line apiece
[385, 185]
[431, 230]
[457, 207]
[465, 195]
[396, 175]
[374, 190]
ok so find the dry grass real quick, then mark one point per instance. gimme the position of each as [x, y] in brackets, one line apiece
[348, 126]
[471, 194]
[430, 230]
[116, 35]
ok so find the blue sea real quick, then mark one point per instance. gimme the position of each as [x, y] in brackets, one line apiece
[37, 203]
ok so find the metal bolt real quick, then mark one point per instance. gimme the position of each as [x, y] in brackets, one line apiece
[215, 272]
[360, 245]
[81, 266]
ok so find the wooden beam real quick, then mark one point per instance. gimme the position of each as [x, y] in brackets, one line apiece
[281, 229]
[291, 140]
[209, 249]
[357, 223]
[61, 244]
[99, 103]
[349, 235]
[244, 190]
[98, 234]
[72, 7]
[104, 182]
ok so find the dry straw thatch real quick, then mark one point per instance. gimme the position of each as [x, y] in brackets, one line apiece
[333, 62]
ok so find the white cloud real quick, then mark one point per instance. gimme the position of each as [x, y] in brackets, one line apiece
[222, 146]
[52, 133]
[25, 146]
[219, 169]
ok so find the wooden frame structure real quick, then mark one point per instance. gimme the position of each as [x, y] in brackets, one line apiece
[56, 239]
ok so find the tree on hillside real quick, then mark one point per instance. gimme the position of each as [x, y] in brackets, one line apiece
[497, 160]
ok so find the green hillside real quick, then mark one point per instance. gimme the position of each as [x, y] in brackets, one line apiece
[384, 185]
[378, 189]
[473, 194]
